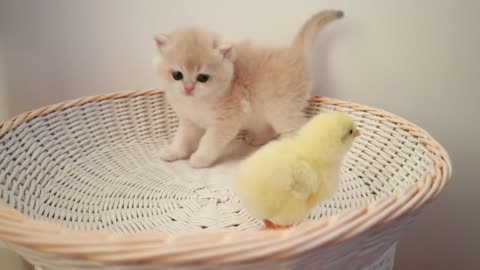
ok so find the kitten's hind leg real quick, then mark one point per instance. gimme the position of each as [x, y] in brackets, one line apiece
[288, 124]
[286, 114]
[260, 136]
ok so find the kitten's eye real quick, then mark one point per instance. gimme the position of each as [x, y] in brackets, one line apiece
[177, 75]
[203, 78]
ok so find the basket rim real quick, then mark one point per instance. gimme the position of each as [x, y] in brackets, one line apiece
[221, 247]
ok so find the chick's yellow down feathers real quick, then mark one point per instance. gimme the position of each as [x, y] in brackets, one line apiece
[285, 179]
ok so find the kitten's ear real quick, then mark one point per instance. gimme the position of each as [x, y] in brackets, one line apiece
[227, 50]
[161, 40]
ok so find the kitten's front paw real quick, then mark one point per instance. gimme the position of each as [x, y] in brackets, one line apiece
[198, 160]
[253, 140]
[257, 140]
[170, 154]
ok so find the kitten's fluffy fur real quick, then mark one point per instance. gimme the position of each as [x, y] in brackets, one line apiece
[262, 90]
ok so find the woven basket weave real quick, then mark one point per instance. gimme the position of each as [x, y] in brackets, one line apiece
[82, 187]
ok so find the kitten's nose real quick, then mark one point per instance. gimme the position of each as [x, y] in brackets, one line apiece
[188, 90]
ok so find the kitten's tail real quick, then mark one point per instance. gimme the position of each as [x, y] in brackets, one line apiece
[305, 37]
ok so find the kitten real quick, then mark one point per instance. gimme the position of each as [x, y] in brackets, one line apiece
[218, 88]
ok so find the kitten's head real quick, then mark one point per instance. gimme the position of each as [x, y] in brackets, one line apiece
[193, 63]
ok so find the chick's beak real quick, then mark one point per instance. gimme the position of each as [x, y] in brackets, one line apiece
[356, 133]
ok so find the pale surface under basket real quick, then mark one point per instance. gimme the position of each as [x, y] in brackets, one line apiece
[94, 164]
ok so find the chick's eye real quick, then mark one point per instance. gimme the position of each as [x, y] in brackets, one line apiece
[203, 78]
[351, 131]
[177, 75]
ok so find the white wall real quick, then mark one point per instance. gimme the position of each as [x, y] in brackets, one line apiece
[3, 90]
[418, 59]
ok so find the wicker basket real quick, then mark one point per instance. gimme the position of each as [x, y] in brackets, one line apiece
[82, 187]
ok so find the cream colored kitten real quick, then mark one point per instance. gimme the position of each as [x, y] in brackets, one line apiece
[218, 89]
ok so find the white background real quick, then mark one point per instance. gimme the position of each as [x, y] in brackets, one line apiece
[417, 59]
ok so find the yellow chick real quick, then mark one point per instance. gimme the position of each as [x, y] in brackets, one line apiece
[285, 179]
